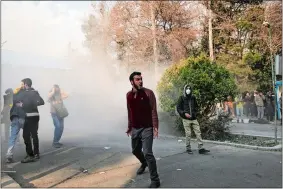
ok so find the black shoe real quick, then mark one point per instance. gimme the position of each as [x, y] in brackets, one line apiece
[141, 169]
[203, 151]
[57, 145]
[28, 159]
[189, 151]
[154, 184]
[36, 156]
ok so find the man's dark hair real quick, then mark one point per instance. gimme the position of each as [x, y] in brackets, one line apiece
[28, 81]
[23, 80]
[131, 78]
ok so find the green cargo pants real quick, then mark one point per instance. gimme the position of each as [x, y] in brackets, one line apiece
[188, 125]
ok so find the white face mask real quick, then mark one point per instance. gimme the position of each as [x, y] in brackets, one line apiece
[188, 91]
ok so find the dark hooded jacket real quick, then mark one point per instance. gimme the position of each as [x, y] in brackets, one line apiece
[187, 104]
[31, 100]
[15, 110]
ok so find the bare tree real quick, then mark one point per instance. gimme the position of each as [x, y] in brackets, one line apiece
[159, 31]
[2, 44]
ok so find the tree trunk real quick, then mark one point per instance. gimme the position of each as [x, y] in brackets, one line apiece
[155, 54]
[210, 36]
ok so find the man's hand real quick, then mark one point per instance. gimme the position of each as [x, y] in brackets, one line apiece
[155, 133]
[187, 115]
[129, 132]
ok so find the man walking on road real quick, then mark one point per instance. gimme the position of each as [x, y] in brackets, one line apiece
[143, 126]
[30, 100]
[187, 108]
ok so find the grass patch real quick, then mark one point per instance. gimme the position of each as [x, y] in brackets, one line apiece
[253, 140]
[250, 140]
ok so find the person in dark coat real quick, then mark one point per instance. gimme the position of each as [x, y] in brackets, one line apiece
[30, 99]
[270, 106]
[187, 108]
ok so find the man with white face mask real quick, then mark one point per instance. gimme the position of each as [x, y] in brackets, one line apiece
[187, 108]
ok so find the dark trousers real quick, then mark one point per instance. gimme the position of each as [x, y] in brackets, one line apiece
[142, 140]
[30, 134]
[269, 112]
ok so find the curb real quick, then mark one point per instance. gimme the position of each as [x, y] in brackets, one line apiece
[13, 183]
[277, 148]
[245, 134]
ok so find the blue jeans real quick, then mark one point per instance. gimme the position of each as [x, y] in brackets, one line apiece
[59, 127]
[239, 111]
[16, 125]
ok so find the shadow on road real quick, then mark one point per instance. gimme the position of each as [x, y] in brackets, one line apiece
[58, 166]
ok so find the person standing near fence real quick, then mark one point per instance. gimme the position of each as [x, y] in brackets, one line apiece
[239, 107]
[259, 101]
[248, 104]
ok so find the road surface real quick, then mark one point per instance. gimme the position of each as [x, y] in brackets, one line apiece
[115, 166]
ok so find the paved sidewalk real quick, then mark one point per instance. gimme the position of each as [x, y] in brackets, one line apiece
[254, 129]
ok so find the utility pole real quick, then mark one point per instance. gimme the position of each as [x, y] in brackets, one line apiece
[267, 24]
[210, 36]
[153, 27]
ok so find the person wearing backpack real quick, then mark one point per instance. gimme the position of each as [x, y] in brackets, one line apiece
[58, 113]
[187, 108]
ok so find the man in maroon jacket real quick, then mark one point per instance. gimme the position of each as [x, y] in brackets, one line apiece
[143, 126]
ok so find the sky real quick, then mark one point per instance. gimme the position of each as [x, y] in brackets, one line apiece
[43, 27]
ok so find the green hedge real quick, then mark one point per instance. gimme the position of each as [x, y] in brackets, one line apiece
[211, 83]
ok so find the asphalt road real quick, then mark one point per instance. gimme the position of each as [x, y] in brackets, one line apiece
[116, 166]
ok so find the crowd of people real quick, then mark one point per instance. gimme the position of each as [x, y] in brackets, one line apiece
[252, 105]
[20, 111]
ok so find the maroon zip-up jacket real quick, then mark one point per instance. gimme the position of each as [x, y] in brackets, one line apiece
[142, 111]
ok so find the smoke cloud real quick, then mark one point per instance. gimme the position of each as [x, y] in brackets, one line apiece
[97, 95]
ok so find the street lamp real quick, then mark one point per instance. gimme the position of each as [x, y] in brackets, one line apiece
[267, 24]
